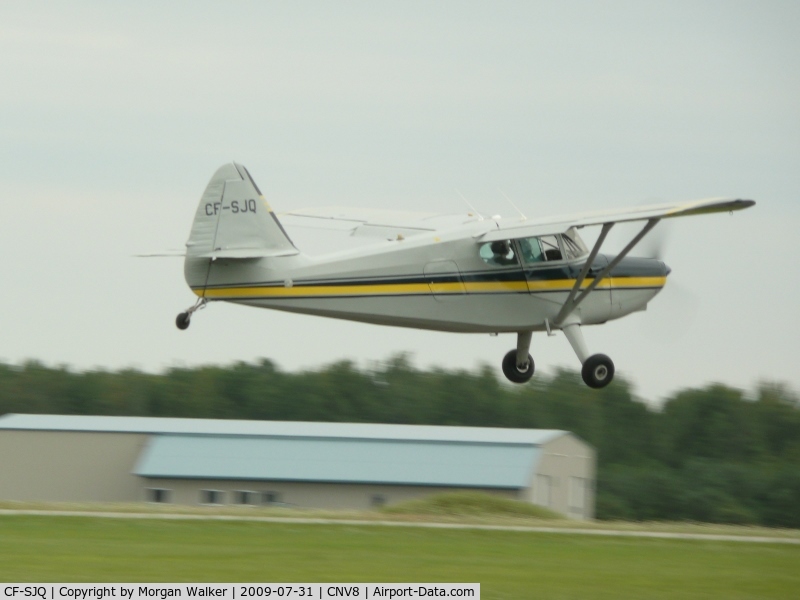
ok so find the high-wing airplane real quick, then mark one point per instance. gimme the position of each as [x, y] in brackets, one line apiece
[459, 273]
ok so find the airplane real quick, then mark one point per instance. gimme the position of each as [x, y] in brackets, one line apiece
[458, 273]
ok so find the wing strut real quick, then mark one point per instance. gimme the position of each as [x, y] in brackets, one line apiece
[572, 302]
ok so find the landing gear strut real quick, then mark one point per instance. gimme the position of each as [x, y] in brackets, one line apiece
[597, 371]
[518, 365]
[183, 319]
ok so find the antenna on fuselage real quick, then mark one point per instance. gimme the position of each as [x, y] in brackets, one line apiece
[480, 216]
[521, 214]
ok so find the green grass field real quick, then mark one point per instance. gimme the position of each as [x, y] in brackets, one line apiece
[507, 564]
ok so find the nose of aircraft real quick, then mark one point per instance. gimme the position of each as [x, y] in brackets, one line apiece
[631, 266]
[636, 281]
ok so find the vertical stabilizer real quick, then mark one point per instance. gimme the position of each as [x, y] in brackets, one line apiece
[233, 220]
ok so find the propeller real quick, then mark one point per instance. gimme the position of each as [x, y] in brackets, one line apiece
[672, 313]
[654, 244]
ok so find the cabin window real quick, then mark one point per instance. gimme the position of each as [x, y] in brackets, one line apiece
[531, 250]
[499, 254]
[551, 248]
[540, 249]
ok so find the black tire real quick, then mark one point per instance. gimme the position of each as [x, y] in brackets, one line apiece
[597, 371]
[512, 371]
[182, 321]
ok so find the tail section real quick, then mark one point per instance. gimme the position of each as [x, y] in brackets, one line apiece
[234, 221]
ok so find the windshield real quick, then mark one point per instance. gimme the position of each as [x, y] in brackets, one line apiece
[573, 244]
[549, 248]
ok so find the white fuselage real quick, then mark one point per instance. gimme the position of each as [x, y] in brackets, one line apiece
[431, 281]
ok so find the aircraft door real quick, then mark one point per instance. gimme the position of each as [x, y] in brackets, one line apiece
[551, 271]
[444, 280]
[546, 271]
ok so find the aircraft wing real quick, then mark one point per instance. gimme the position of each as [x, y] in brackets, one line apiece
[560, 224]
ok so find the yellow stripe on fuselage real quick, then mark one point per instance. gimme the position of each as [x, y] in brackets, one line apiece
[620, 283]
[477, 287]
[424, 289]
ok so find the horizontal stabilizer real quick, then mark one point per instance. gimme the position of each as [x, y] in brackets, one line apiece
[248, 253]
[163, 254]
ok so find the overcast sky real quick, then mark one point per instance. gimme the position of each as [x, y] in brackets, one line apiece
[113, 116]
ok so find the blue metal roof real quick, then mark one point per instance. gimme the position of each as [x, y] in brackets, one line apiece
[217, 427]
[468, 464]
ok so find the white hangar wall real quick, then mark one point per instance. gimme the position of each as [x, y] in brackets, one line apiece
[329, 496]
[69, 466]
[321, 465]
[565, 478]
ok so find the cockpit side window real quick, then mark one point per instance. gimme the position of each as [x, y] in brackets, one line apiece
[550, 247]
[531, 250]
[498, 254]
[540, 249]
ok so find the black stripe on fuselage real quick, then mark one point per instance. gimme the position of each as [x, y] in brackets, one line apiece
[629, 267]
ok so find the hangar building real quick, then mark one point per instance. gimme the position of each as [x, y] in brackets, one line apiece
[67, 458]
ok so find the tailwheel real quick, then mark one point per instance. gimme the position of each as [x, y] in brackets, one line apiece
[183, 320]
[597, 371]
[514, 372]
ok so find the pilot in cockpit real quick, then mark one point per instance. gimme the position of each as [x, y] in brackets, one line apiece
[502, 254]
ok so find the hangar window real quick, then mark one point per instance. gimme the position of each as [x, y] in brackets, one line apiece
[270, 498]
[158, 495]
[212, 496]
[245, 497]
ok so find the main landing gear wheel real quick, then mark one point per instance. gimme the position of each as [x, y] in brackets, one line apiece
[514, 372]
[182, 320]
[597, 371]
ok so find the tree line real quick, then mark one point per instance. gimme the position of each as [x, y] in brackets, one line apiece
[713, 454]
